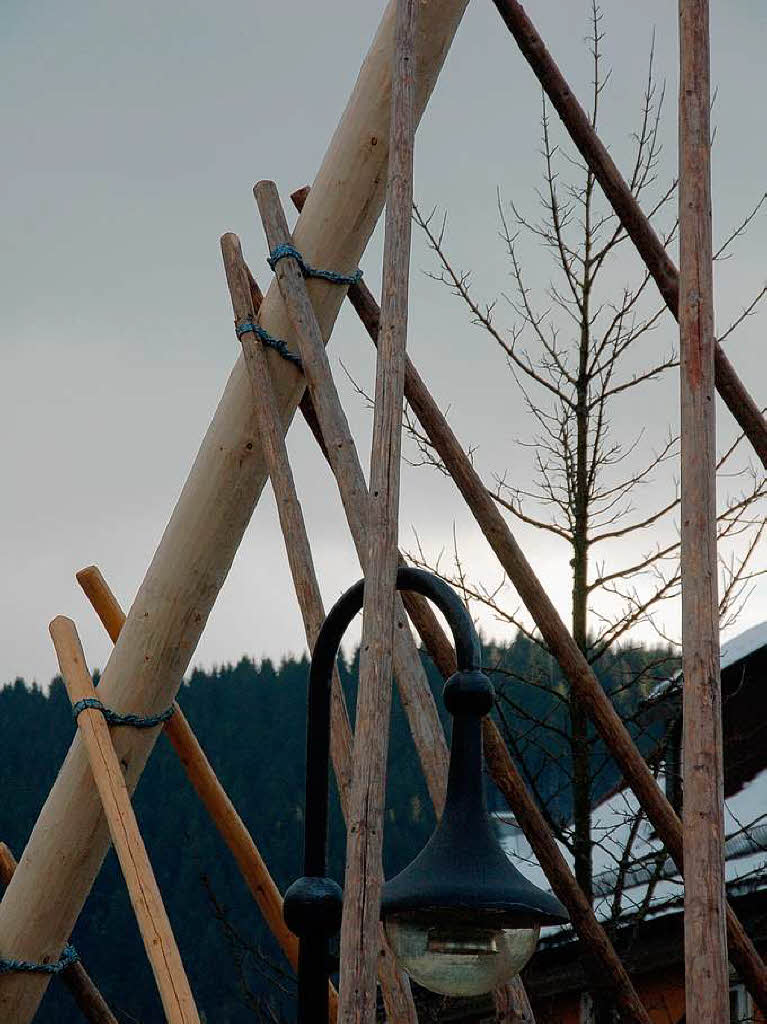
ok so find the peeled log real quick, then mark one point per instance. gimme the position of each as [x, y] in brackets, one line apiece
[70, 840]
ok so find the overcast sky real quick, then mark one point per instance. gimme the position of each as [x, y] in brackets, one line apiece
[132, 135]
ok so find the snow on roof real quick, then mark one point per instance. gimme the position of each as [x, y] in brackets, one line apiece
[731, 653]
[648, 880]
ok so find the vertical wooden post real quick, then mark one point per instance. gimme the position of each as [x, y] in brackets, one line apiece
[364, 872]
[706, 980]
[395, 987]
[160, 945]
[649, 246]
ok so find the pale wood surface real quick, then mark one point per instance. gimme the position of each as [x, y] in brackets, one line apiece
[90, 1001]
[417, 699]
[197, 548]
[705, 937]
[155, 928]
[742, 952]
[214, 797]
[364, 835]
[244, 293]
[660, 265]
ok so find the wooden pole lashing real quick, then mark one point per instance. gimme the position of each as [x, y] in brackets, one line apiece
[364, 839]
[417, 700]
[705, 938]
[212, 794]
[160, 945]
[395, 988]
[658, 262]
[197, 547]
[89, 1000]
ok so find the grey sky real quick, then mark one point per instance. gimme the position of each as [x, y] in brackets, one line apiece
[132, 135]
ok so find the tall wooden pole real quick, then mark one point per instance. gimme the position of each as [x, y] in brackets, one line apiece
[705, 940]
[70, 839]
[322, 410]
[364, 841]
[159, 942]
[579, 673]
[395, 987]
[649, 246]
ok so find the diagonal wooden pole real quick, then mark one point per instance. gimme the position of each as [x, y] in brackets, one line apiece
[417, 699]
[331, 432]
[169, 613]
[658, 262]
[89, 1000]
[212, 794]
[705, 938]
[395, 987]
[579, 673]
[364, 838]
[155, 928]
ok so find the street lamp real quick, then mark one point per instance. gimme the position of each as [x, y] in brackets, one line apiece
[460, 918]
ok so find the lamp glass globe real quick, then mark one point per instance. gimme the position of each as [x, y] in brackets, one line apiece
[458, 959]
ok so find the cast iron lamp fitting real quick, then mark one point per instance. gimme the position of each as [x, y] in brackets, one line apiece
[460, 918]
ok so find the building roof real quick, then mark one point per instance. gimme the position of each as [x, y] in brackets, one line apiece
[628, 857]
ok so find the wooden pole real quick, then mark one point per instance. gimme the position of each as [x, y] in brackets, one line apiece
[86, 995]
[395, 987]
[160, 945]
[166, 620]
[705, 937]
[417, 699]
[742, 952]
[660, 265]
[212, 794]
[342, 457]
[364, 837]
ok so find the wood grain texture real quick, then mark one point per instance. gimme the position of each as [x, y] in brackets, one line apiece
[198, 545]
[244, 294]
[705, 938]
[364, 835]
[86, 995]
[159, 942]
[658, 262]
[742, 951]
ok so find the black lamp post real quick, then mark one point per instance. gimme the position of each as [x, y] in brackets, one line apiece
[460, 918]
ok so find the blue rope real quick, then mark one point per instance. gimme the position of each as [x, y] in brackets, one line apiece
[285, 251]
[115, 718]
[68, 957]
[269, 340]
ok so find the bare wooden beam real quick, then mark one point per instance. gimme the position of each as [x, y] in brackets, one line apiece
[742, 952]
[417, 700]
[198, 545]
[159, 942]
[86, 995]
[364, 836]
[660, 265]
[212, 794]
[504, 772]
[244, 293]
[705, 936]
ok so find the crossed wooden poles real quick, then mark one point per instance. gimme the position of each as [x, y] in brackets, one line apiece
[197, 548]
